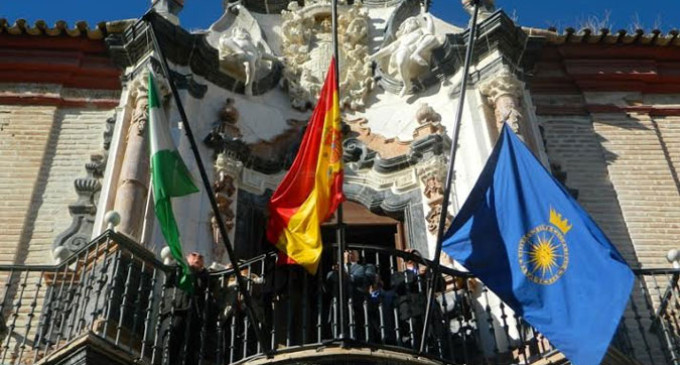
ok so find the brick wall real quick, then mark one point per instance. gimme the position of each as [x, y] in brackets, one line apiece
[42, 151]
[643, 177]
[572, 143]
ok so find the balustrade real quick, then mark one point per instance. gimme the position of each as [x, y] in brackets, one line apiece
[117, 293]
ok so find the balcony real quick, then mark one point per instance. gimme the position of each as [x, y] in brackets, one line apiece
[113, 302]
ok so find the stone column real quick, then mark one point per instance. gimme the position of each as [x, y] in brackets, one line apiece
[504, 94]
[133, 180]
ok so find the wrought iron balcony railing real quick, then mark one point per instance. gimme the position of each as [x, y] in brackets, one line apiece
[115, 294]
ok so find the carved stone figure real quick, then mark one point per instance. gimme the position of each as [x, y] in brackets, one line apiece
[227, 171]
[307, 49]
[239, 54]
[504, 94]
[427, 114]
[410, 52]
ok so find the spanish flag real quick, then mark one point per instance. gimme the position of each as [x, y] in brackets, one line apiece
[312, 189]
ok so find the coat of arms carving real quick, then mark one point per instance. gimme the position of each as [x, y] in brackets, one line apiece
[308, 47]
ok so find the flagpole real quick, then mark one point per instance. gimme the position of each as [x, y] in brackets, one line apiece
[434, 270]
[340, 227]
[207, 186]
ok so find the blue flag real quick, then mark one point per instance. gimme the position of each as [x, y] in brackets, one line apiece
[529, 241]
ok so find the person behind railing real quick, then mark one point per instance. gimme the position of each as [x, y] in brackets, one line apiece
[361, 276]
[187, 311]
[380, 313]
[232, 311]
[410, 287]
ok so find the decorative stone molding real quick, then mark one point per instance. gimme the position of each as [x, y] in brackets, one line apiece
[432, 179]
[385, 147]
[429, 122]
[504, 94]
[83, 211]
[362, 147]
[407, 56]
[227, 173]
[307, 47]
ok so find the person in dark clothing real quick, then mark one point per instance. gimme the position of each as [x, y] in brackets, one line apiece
[187, 312]
[362, 276]
[380, 305]
[410, 286]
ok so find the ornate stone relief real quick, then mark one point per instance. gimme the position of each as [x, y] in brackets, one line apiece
[227, 172]
[408, 54]
[242, 50]
[83, 211]
[308, 48]
[433, 189]
[241, 57]
[504, 94]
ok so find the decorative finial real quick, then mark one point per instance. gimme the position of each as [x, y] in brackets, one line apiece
[60, 254]
[166, 255]
[112, 219]
[673, 257]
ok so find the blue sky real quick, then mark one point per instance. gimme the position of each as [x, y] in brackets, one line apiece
[617, 14]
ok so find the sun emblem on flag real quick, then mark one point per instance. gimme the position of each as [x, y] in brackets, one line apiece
[543, 252]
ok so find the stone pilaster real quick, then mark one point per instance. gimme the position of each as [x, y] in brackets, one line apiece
[133, 181]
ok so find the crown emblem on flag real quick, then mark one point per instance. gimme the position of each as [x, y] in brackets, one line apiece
[557, 221]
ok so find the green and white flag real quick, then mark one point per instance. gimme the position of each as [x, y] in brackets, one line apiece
[170, 178]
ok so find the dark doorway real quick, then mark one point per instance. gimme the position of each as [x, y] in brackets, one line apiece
[365, 227]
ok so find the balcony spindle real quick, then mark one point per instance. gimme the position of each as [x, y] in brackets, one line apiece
[137, 305]
[15, 314]
[148, 321]
[489, 321]
[111, 286]
[102, 279]
[31, 314]
[77, 293]
[89, 287]
[124, 303]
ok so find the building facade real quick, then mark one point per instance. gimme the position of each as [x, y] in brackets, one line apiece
[85, 281]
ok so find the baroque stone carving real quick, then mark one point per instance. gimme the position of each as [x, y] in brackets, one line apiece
[243, 52]
[83, 211]
[242, 57]
[433, 191]
[308, 47]
[227, 171]
[228, 118]
[409, 53]
[504, 93]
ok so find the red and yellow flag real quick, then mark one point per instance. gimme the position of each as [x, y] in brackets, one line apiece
[312, 189]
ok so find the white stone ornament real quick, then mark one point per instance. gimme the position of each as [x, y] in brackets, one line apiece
[308, 47]
[409, 54]
[240, 56]
[243, 52]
